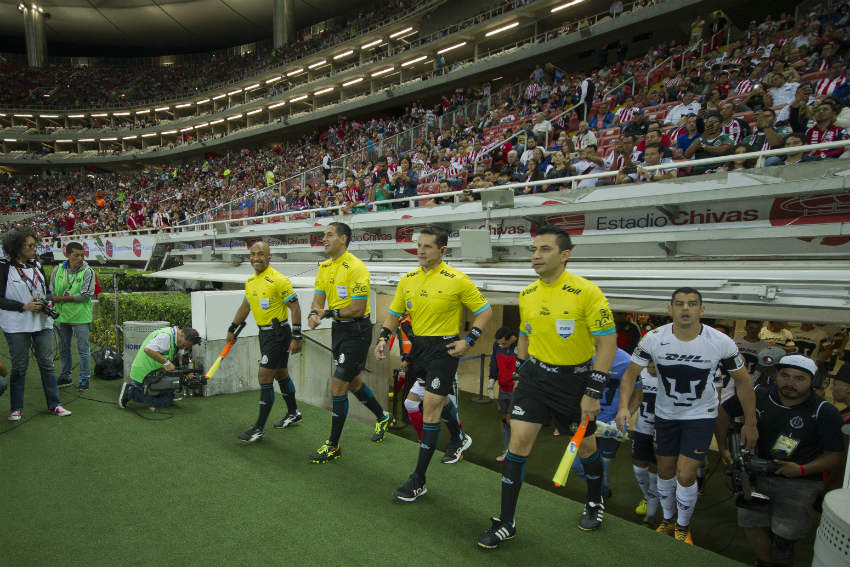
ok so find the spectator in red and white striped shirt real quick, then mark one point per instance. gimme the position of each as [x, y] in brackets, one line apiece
[834, 79]
[531, 91]
[825, 130]
[733, 127]
[626, 112]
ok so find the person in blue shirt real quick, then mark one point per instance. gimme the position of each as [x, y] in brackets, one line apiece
[607, 118]
[610, 401]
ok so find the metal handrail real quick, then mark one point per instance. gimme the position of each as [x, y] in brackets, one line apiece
[573, 180]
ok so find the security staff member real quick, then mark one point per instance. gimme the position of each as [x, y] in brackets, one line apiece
[434, 294]
[564, 320]
[801, 432]
[269, 296]
[343, 282]
[72, 283]
[156, 354]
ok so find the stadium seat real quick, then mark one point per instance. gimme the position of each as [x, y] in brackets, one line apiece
[427, 189]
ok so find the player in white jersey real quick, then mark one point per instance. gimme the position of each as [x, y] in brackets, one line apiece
[686, 354]
[644, 464]
[750, 346]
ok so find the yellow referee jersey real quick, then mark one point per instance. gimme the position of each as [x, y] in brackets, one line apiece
[559, 319]
[268, 293]
[435, 300]
[342, 280]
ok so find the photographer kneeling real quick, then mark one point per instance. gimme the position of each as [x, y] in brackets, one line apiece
[799, 439]
[150, 382]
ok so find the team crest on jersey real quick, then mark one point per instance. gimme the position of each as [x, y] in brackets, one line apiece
[796, 422]
[435, 384]
[565, 327]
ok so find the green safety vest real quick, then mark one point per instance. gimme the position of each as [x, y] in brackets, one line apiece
[72, 312]
[144, 364]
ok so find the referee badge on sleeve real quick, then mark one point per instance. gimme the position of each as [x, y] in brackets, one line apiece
[565, 327]
[409, 304]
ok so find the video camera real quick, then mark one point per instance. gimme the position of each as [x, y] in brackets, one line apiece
[188, 377]
[743, 472]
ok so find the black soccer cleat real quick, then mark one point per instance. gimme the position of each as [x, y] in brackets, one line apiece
[381, 427]
[591, 518]
[411, 490]
[289, 420]
[498, 532]
[326, 453]
[454, 452]
[252, 435]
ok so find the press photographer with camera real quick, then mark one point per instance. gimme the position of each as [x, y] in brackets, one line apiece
[154, 376]
[799, 439]
[26, 317]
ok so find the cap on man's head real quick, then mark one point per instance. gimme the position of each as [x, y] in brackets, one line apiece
[799, 362]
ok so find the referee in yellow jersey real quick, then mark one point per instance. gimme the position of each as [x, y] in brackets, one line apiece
[269, 295]
[564, 320]
[343, 282]
[434, 294]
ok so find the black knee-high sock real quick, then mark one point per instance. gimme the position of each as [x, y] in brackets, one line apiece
[449, 416]
[430, 439]
[593, 470]
[287, 390]
[266, 403]
[365, 395]
[339, 411]
[513, 474]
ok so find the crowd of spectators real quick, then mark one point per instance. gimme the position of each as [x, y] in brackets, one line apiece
[713, 101]
[116, 83]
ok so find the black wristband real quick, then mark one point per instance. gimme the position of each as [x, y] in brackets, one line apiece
[385, 334]
[314, 312]
[597, 380]
[296, 329]
[473, 336]
[331, 313]
[593, 393]
[232, 328]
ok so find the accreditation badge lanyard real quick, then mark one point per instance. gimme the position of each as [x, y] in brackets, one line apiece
[69, 283]
[32, 284]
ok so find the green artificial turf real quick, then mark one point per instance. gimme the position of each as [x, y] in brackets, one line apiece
[106, 487]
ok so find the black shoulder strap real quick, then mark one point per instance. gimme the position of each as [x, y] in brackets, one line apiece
[4, 275]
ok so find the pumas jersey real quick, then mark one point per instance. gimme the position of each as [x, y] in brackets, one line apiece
[750, 351]
[645, 422]
[686, 370]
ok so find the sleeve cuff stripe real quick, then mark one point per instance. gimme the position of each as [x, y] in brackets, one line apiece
[603, 333]
[395, 313]
[288, 299]
[359, 297]
[319, 291]
[482, 309]
[521, 332]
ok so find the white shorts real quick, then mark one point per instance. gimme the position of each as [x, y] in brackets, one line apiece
[418, 390]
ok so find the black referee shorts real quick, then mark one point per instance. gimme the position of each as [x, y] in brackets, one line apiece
[350, 342]
[432, 363]
[547, 392]
[274, 347]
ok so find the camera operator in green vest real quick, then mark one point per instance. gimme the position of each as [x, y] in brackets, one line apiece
[150, 383]
[72, 283]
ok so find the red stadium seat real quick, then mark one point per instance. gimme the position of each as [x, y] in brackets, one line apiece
[427, 189]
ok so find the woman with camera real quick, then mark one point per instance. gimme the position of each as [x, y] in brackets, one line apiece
[26, 312]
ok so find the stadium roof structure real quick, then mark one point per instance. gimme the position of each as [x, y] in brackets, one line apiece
[164, 26]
